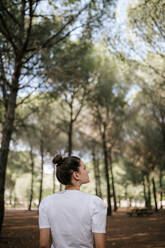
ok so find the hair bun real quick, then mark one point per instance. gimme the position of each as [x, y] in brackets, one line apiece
[58, 159]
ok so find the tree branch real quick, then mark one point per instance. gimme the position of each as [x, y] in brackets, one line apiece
[7, 33]
[30, 25]
[45, 44]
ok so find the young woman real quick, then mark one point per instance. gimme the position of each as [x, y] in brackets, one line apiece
[71, 218]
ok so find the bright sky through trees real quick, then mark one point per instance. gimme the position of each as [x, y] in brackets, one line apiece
[121, 11]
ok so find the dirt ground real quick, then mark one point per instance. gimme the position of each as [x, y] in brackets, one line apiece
[20, 230]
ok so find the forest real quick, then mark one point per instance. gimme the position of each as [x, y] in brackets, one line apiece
[84, 78]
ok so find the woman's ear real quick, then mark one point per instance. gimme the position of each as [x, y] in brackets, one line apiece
[76, 175]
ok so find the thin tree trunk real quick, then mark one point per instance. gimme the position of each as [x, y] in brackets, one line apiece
[98, 178]
[70, 129]
[95, 170]
[42, 170]
[149, 192]
[32, 178]
[144, 192]
[6, 137]
[70, 144]
[126, 193]
[161, 188]
[54, 174]
[113, 184]
[73, 117]
[154, 194]
[163, 129]
[109, 210]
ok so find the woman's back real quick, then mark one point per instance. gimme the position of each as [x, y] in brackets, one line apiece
[72, 216]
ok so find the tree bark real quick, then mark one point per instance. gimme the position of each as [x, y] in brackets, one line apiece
[154, 194]
[32, 179]
[94, 167]
[98, 178]
[149, 192]
[6, 137]
[113, 184]
[42, 170]
[109, 210]
[161, 189]
[70, 138]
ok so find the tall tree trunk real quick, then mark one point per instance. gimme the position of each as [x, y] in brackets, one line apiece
[154, 194]
[54, 174]
[95, 170]
[32, 178]
[161, 188]
[70, 129]
[98, 178]
[144, 192]
[149, 191]
[162, 125]
[42, 170]
[109, 210]
[6, 137]
[113, 184]
[70, 138]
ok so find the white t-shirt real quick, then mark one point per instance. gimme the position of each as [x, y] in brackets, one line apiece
[72, 217]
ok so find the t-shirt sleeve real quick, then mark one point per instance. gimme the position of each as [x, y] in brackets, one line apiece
[99, 213]
[43, 217]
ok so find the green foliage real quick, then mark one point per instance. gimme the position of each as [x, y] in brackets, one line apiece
[133, 174]
[18, 164]
[68, 68]
[147, 20]
[19, 161]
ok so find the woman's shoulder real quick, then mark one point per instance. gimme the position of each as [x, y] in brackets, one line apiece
[90, 196]
[93, 198]
[48, 198]
[97, 202]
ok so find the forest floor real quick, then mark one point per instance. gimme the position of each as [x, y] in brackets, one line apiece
[20, 230]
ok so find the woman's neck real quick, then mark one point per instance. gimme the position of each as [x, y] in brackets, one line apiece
[72, 187]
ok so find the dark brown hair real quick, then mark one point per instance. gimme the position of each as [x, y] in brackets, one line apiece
[65, 168]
